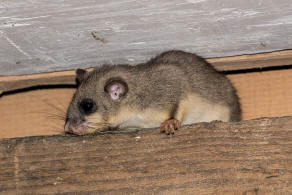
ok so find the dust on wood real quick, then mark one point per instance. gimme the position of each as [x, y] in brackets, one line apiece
[249, 157]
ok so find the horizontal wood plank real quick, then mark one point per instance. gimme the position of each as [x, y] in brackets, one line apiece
[48, 36]
[253, 61]
[250, 157]
[244, 62]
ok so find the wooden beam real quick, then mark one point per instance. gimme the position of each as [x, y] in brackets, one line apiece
[46, 36]
[263, 60]
[12, 83]
[250, 157]
[253, 61]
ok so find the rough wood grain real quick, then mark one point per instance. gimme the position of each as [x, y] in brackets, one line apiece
[244, 62]
[251, 157]
[49, 36]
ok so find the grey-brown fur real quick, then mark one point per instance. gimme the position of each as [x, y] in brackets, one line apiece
[204, 79]
[160, 83]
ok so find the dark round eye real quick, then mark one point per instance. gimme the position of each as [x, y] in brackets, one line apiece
[87, 106]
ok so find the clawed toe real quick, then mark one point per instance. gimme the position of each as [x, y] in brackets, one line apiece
[169, 126]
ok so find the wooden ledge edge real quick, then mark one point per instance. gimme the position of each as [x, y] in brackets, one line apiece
[253, 61]
[242, 62]
[156, 131]
[248, 157]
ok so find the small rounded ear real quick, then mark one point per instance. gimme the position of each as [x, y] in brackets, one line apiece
[116, 88]
[80, 75]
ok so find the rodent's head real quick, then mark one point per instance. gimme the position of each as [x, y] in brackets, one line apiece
[95, 100]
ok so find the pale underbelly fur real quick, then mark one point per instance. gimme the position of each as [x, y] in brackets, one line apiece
[192, 109]
[197, 109]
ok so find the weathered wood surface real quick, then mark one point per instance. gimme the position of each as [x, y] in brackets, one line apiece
[252, 61]
[49, 35]
[251, 157]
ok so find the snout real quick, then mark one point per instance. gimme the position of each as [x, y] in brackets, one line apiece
[78, 128]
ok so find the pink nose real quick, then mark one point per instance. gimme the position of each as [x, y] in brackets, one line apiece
[78, 129]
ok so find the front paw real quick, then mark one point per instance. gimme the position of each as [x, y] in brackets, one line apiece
[169, 126]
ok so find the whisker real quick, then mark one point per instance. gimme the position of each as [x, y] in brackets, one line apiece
[55, 128]
[62, 106]
[58, 115]
[48, 114]
[55, 116]
[58, 131]
[93, 123]
[56, 108]
[95, 127]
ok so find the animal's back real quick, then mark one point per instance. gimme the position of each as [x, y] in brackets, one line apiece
[204, 80]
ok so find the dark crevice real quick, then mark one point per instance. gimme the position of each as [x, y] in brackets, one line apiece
[228, 72]
[264, 69]
[40, 87]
